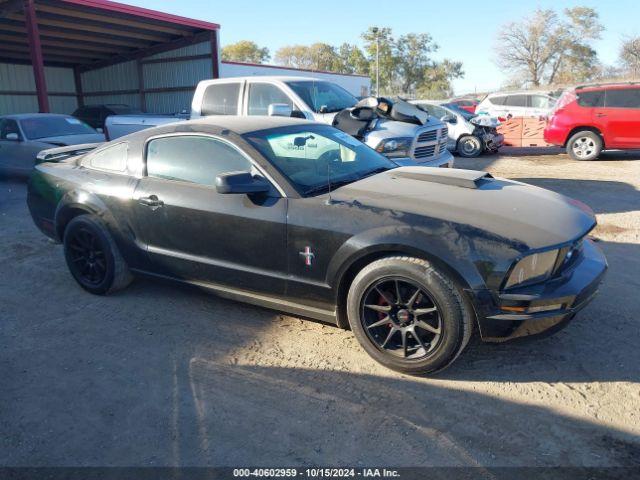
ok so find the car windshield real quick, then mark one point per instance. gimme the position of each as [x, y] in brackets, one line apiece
[43, 127]
[311, 156]
[323, 94]
[460, 111]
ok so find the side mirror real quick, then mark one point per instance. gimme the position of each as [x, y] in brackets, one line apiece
[13, 136]
[241, 182]
[449, 118]
[279, 110]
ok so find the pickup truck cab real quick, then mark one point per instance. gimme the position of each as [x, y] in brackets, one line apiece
[320, 101]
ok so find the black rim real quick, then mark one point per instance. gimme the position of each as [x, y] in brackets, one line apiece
[401, 318]
[87, 257]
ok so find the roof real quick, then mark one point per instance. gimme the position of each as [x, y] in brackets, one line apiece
[612, 85]
[262, 78]
[241, 125]
[24, 116]
[87, 32]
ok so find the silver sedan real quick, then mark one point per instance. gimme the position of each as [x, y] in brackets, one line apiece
[22, 136]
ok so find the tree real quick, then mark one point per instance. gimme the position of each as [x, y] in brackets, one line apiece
[387, 57]
[319, 56]
[352, 60]
[547, 47]
[245, 51]
[630, 55]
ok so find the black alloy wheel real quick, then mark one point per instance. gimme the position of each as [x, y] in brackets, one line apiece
[87, 256]
[93, 257]
[401, 318]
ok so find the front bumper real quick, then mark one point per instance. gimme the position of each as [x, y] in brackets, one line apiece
[493, 141]
[545, 307]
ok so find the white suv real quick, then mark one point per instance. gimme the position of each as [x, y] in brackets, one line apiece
[516, 104]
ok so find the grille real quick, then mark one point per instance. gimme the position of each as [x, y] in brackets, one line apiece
[444, 133]
[428, 136]
[427, 151]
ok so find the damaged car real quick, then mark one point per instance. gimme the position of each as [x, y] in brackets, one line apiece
[411, 259]
[470, 135]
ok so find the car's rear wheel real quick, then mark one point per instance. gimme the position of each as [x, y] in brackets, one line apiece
[469, 146]
[585, 145]
[93, 257]
[408, 315]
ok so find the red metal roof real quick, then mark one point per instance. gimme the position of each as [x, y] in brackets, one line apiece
[145, 12]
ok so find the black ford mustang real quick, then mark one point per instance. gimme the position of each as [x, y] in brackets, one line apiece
[302, 218]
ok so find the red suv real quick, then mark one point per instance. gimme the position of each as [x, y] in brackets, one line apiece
[589, 119]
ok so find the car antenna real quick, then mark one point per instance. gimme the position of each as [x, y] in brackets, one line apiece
[329, 200]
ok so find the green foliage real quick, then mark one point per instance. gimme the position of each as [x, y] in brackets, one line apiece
[548, 47]
[245, 51]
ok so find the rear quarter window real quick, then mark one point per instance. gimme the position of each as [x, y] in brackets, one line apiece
[623, 98]
[591, 99]
[498, 100]
[113, 158]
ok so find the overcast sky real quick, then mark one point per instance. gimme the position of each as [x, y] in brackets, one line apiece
[465, 29]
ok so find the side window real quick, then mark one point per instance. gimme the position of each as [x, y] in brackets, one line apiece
[591, 99]
[498, 100]
[7, 127]
[193, 159]
[540, 101]
[516, 101]
[261, 95]
[221, 99]
[623, 98]
[113, 158]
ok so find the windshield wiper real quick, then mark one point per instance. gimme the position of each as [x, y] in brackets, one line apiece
[326, 187]
[375, 171]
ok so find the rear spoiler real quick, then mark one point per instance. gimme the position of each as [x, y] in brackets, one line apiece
[61, 153]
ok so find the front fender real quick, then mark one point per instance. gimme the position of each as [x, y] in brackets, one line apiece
[444, 246]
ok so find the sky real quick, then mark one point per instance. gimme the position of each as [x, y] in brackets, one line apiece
[465, 30]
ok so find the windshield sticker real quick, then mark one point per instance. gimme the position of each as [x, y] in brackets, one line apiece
[347, 139]
[73, 121]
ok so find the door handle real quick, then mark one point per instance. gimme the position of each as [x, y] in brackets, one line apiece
[151, 201]
[601, 114]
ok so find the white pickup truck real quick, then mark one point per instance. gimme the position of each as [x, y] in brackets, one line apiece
[405, 142]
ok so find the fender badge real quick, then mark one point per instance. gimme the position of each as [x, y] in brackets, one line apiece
[308, 256]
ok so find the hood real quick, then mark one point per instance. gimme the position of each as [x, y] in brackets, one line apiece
[485, 121]
[63, 140]
[521, 213]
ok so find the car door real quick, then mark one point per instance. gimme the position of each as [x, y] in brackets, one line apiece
[17, 154]
[515, 105]
[619, 120]
[261, 94]
[194, 233]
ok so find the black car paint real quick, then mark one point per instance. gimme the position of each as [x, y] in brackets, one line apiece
[250, 247]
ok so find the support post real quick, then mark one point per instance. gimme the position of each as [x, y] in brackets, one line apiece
[215, 65]
[77, 77]
[141, 88]
[35, 50]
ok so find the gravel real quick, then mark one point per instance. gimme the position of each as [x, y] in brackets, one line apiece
[161, 374]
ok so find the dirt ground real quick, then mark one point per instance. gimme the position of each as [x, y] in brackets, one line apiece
[166, 375]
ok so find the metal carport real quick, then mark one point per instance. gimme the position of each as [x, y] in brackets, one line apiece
[77, 38]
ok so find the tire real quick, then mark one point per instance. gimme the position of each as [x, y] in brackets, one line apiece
[585, 145]
[93, 257]
[386, 330]
[469, 146]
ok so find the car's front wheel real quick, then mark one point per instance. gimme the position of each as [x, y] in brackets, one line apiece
[585, 145]
[93, 257]
[469, 146]
[408, 315]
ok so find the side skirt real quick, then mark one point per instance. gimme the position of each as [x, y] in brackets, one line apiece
[274, 303]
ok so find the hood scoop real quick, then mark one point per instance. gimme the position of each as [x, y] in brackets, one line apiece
[445, 176]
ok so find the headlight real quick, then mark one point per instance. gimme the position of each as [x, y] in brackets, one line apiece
[395, 147]
[533, 268]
